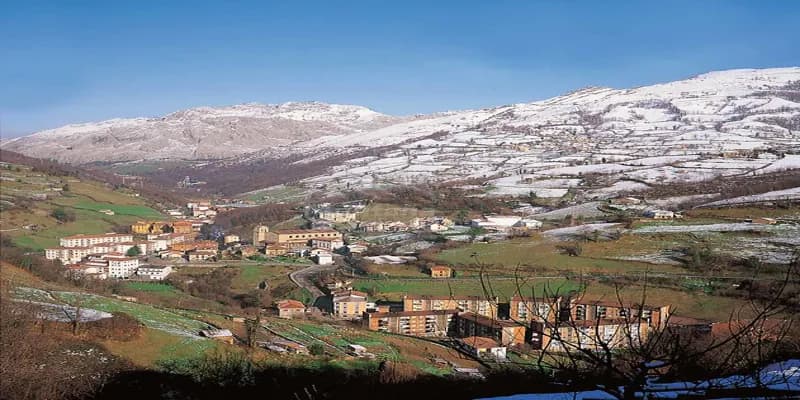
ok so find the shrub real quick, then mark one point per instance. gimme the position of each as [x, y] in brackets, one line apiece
[316, 349]
[63, 215]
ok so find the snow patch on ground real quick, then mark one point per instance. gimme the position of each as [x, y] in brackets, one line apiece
[778, 195]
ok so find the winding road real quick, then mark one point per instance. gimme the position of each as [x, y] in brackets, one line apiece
[302, 278]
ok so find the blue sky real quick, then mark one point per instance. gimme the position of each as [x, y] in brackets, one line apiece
[70, 62]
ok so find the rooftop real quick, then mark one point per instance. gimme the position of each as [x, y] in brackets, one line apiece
[289, 303]
[480, 342]
[486, 321]
[302, 231]
[102, 235]
[411, 313]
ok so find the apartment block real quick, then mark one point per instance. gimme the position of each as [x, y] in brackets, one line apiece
[413, 323]
[504, 331]
[479, 305]
[527, 309]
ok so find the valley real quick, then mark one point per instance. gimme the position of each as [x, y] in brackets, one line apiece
[456, 249]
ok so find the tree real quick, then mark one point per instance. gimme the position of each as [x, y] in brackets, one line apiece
[316, 349]
[462, 217]
[63, 215]
[251, 329]
[134, 251]
[532, 198]
[572, 249]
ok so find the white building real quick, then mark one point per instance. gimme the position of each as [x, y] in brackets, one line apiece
[154, 272]
[89, 240]
[336, 215]
[158, 244]
[231, 239]
[94, 267]
[484, 347]
[528, 223]
[659, 214]
[120, 266]
[73, 255]
[324, 258]
[356, 248]
[327, 244]
[496, 222]
[436, 227]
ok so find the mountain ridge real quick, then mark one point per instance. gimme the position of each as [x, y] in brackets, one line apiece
[591, 130]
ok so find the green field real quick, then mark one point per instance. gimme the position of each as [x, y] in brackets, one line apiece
[382, 212]
[152, 287]
[82, 198]
[152, 317]
[251, 275]
[277, 194]
[544, 254]
[139, 211]
[155, 346]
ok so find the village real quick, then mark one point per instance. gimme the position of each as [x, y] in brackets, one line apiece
[486, 327]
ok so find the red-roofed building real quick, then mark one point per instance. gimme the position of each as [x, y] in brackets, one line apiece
[290, 308]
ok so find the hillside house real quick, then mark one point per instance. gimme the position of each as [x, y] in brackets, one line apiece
[273, 250]
[290, 309]
[356, 248]
[337, 215]
[483, 347]
[441, 271]
[327, 244]
[154, 272]
[323, 258]
[659, 214]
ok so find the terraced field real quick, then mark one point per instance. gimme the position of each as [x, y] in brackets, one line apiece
[151, 316]
[30, 197]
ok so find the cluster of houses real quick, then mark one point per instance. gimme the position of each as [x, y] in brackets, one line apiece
[106, 256]
[638, 205]
[318, 244]
[118, 255]
[482, 329]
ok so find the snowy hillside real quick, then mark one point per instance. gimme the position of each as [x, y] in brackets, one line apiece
[600, 141]
[684, 131]
[198, 133]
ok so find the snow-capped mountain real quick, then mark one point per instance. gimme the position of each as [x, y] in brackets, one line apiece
[684, 131]
[599, 139]
[198, 133]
